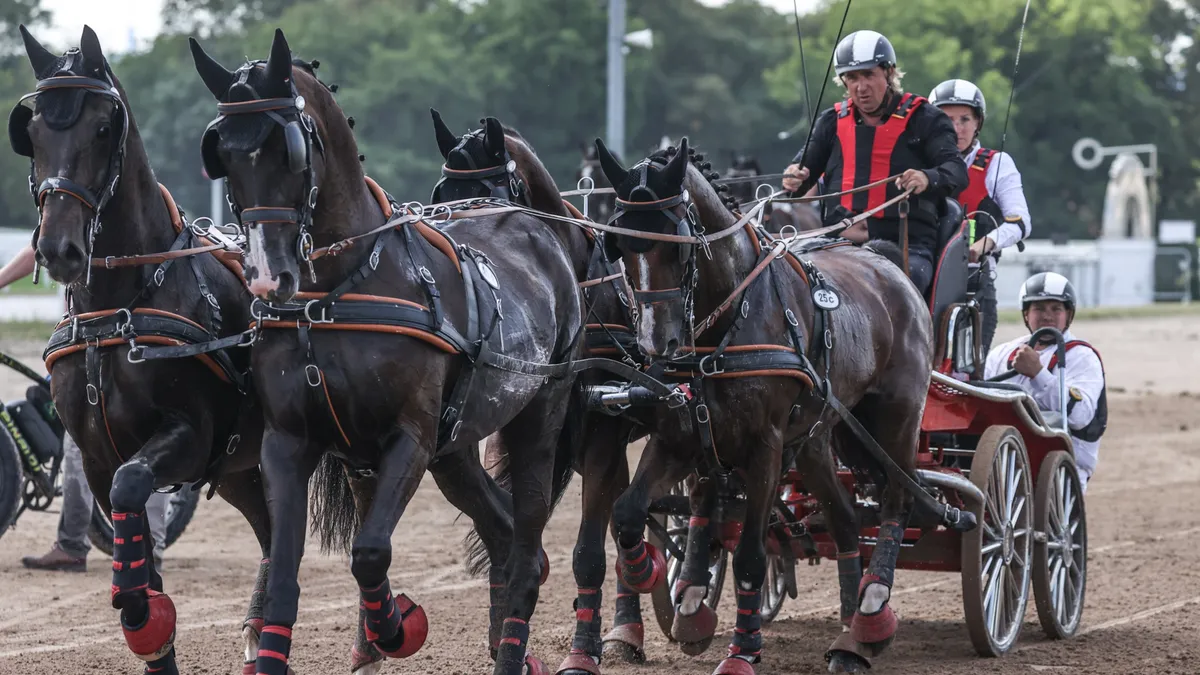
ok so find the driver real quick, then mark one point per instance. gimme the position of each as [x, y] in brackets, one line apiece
[1048, 300]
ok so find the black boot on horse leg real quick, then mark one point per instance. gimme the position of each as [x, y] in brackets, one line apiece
[147, 614]
[695, 621]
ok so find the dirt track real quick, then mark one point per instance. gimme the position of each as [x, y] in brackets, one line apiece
[1142, 603]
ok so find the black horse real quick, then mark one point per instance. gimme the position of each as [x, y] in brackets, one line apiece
[140, 425]
[396, 350]
[477, 165]
[759, 401]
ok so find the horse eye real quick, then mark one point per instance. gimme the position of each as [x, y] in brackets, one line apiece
[102, 132]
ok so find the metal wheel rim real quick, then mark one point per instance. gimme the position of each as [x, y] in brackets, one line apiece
[774, 588]
[1006, 565]
[1066, 557]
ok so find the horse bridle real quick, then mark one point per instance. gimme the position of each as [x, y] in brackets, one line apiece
[680, 210]
[18, 133]
[510, 187]
[300, 135]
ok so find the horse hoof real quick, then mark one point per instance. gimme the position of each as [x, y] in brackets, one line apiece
[624, 643]
[579, 663]
[695, 628]
[847, 662]
[364, 663]
[732, 665]
[534, 666]
[874, 629]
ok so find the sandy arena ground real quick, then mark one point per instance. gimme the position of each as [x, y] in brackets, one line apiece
[1142, 603]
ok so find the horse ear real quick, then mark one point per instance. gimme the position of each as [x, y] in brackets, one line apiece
[613, 171]
[93, 55]
[215, 76]
[279, 66]
[493, 137]
[446, 139]
[39, 57]
[677, 167]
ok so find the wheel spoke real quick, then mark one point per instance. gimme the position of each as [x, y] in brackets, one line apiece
[1018, 508]
[999, 604]
[988, 548]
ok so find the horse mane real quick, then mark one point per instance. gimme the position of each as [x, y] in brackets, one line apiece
[334, 126]
[543, 191]
[700, 181]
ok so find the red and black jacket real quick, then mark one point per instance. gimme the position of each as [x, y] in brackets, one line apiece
[976, 196]
[851, 154]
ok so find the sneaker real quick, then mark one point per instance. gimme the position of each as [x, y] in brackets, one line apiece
[57, 560]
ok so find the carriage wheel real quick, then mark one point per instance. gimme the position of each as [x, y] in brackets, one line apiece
[1059, 560]
[997, 555]
[774, 588]
[661, 596]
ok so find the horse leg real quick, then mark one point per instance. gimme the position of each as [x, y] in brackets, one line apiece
[365, 659]
[816, 465]
[287, 464]
[605, 471]
[147, 614]
[470, 488]
[244, 490]
[642, 567]
[395, 625]
[896, 426]
[750, 558]
[696, 622]
[531, 439]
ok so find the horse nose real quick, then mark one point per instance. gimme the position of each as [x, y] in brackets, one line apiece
[672, 348]
[263, 284]
[285, 287]
[64, 259]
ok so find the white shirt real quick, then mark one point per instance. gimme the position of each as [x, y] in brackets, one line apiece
[1003, 183]
[1085, 377]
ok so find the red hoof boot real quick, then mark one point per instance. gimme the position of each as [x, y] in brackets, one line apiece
[658, 571]
[695, 628]
[578, 662]
[624, 643]
[534, 666]
[732, 665]
[545, 561]
[870, 629]
[155, 638]
[414, 628]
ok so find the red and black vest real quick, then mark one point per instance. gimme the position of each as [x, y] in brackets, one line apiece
[865, 154]
[1096, 428]
[975, 197]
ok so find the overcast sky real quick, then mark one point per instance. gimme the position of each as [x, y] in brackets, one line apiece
[120, 23]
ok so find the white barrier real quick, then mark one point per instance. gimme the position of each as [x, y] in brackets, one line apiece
[1105, 272]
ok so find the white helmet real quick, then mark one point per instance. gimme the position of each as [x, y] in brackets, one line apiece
[960, 92]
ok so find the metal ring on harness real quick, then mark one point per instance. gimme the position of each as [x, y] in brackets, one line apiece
[231, 447]
[585, 192]
[308, 316]
[443, 209]
[134, 350]
[784, 232]
[312, 197]
[716, 370]
[758, 191]
[93, 394]
[313, 374]
[702, 415]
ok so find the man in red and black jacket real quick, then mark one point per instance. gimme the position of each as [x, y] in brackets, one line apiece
[876, 132]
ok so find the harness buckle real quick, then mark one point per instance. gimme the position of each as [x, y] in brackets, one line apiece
[74, 329]
[159, 275]
[313, 375]
[745, 309]
[828, 339]
[124, 328]
[679, 396]
[134, 355]
[374, 260]
[231, 447]
[791, 318]
[426, 275]
[308, 314]
[249, 337]
[455, 430]
[715, 369]
[93, 394]
[312, 197]
[702, 415]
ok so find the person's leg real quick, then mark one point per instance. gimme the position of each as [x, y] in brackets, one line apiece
[987, 302]
[71, 548]
[156, 514]
[920, 268]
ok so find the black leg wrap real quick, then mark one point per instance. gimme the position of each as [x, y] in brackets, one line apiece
[164, 666]
[747, 635]
[383, 621]
[273, 649]
[511, 653]
[587, 622]
[499, 606]
[849, 574]
[695, 570]
[638, 564]
[887, 550]
[130, 571]
[628, 605]
[258, 598]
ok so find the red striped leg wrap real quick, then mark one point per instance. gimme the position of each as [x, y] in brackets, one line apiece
[274, 645]
[130, 573]
[396, 625]
[643, 567]
[587, 622]
[747, 635]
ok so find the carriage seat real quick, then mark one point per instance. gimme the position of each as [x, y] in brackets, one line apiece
[950, 273]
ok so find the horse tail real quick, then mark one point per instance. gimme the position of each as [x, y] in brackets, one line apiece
[887, 249]
[335, 518]
[570, 437]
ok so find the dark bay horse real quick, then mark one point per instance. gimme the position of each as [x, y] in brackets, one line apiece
[778, 215]
[149, 424]
[477, 165]
[396, 351]
[848, 309]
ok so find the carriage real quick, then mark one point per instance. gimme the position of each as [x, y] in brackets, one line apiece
[985, 447]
